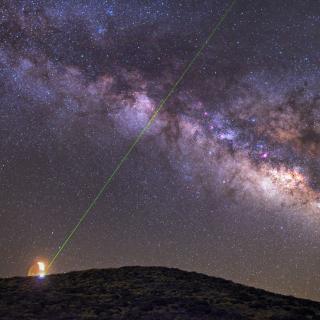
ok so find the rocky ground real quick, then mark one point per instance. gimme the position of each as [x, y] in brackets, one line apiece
[152, 293]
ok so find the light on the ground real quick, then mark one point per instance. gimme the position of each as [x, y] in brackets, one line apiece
[38, 269]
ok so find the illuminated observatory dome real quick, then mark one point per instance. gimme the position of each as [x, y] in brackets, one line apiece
[38, 269]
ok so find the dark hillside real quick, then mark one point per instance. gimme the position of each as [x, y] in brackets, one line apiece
[153, 293]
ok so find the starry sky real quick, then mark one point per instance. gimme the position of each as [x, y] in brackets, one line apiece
[227, 179]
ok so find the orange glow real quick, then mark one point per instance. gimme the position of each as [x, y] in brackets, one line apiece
[38, 268]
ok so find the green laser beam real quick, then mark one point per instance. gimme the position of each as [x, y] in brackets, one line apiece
[142, 132]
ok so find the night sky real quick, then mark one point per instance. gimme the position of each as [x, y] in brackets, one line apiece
[227, 179]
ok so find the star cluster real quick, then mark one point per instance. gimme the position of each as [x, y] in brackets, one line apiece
[227, 179]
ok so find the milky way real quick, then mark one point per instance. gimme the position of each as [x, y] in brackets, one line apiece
[226, 181]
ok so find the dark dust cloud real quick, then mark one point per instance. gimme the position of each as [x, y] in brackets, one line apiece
[226, 181]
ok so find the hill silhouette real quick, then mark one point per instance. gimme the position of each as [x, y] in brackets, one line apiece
[146, 293]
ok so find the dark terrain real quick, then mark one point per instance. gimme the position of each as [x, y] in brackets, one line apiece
[144, 293]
